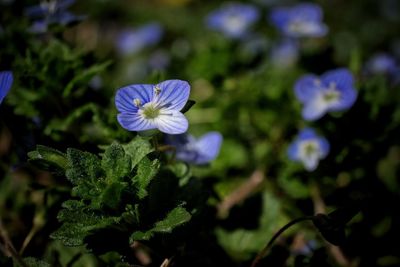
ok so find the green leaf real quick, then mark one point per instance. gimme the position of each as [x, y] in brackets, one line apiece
[32, 262]
[137, 149]
[78, 224]
[48, 159]
[115, 163]
[146, 171]
[174, 218]
[82, 166]
[112, 194]
[85, 76]
[189, 104]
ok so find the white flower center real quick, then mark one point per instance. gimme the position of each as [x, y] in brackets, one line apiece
[234, 23]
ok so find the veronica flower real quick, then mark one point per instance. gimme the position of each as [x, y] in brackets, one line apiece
[131, 41]
[145, 106]
[302, 20]
[381, 63]
[233, 19]
[196, 151]
[308, 148]
[6, 80]
[333, 91]
[51, 12]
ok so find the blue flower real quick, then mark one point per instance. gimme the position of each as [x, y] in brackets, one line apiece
[381, 63]
[145, 106]
[196, 151]
[51, 12]
[131, 41]
[333, 91]
[302, 20]
[233, 19]
[285, 53]
[308, 148]
[6, 80]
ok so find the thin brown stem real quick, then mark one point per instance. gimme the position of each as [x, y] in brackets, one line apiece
[263, 252]
[8, 248]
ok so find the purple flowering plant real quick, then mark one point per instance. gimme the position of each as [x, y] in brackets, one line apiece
[332, 91]
[146, 106]
[301, 20]
[6, 80]
[308, 148]
[198, 151]
[133, 40]
[233, 19]
[51, 12]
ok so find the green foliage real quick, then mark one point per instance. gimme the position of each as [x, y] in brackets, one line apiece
[109, 193]
[174, 218]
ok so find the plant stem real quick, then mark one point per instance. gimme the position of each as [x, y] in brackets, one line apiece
[9, 247]
[263, 252]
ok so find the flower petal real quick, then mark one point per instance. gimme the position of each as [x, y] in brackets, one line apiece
[314, 109]
[135, 122]
[293, 151]
[307, 11]
[341, 77]
[311, 162]
[306, 88]
[306, 133]
[173, 123]
[324, 147]
[208, 147]
[125, 96]
[174, 94]
[6, 80]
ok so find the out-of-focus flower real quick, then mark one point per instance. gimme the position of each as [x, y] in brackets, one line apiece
[333, 91]
[285, 53]
[233, 19]
[308, 148]
[381, 63]
[196, 151]
[146, 106]
[6, 80]
[131, 41]
[302, 20]
[51, 12]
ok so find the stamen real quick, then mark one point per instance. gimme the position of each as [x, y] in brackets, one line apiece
[137, 102]
[157, 90]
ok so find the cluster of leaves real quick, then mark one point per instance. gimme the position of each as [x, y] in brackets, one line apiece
[116, 195]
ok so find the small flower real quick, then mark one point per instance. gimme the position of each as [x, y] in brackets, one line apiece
[308, 148]
[233, 19]
[333, 91]
[381, 63]
[51, 12]
[145, 106]
[131, 41]
[196, 151]
[285, 53]
[6, 80]
[302, 20]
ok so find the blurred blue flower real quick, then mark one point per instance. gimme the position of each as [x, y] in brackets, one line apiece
[196, 151]
[131, 41]
[285, 53]
[145, 106]
[51, 12]
[333, 91]
[6, 80]
[233, 19]
[308, 148]
[301, 20]
[381, 63]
